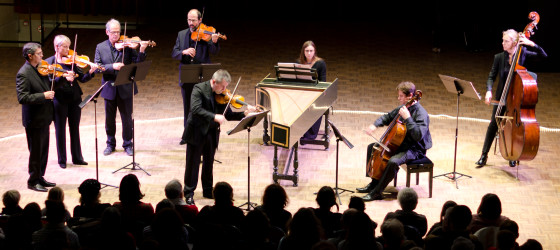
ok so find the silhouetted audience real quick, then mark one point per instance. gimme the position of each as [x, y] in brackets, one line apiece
[360, 232]
[330, 221]
[489, 213]
[392, 236]
[256, 231]
[304, 231]
[167, 229]
[444, 208]
[274, 202]
[56, 194]
[55, 234]
[531, 244]
[113, 233]
[20, 227]
[357, 203]
[10, 199]
[90, 206]
[135, 214]
[415, 224]
[462, 243]
[174, 193]
[455, 223]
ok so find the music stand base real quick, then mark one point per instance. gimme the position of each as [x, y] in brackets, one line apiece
[338, 193]
[103, 185]
[453, 176]
[135, 166]
[250, 205]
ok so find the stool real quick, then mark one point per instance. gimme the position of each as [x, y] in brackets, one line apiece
[419, 166]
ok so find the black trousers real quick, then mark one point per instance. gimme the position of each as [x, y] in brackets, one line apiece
[38, 145]
[491, 131]
[125, 109]
[186, 91]
[312, 132]
[72, 113]
[207, 149]
[392, 167]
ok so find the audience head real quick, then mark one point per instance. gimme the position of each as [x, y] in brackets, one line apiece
[457, 218]
[11, 198]
[408, 199]
[55, 211]
[511, 226]
[165, 203]
[462, 243]
[326, 198]
[174, 189]
[446, 205]
[505, 240]
[305, 224]
[89, 191]
[129, 189]
[167, 224]
[361, 227]
[32, 213]
[392, 231]
[357, 203]
[275, 197]
[531, 244]
[256, 225]
[56, 194]
[324, 245]
[490, 207]
[223, 193]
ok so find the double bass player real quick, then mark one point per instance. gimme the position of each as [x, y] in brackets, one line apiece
[416, 141]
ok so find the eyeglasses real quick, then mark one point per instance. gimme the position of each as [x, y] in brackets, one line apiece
[114, 32]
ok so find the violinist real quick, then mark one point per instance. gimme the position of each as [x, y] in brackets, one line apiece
[416, 141]
[118, 97]
[67, 98]
[185, 51]
[203, 131]
[502, 62]
[35, 95]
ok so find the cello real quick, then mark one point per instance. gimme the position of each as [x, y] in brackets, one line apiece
[389, 143]
[518, 129]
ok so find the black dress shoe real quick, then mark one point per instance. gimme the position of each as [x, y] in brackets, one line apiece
[372, 197]
[37, 187]
[46, 183]
[82, 162]
[108, 151]
[129, 151]
[367, 188]
[190, 200]
[62, 165]
[512, 163]
[182, 142]
[482, 160]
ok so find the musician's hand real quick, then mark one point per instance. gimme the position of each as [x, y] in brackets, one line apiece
[49, 95]
[117, 66]
[488, 97]
[215, 38]
[132, 45]
[369, 130]
[405, 114]
[250, 109]
[219, 119]
[93, 68]
[69, 76]
[524, 41]
[189, 52]
[143, 46]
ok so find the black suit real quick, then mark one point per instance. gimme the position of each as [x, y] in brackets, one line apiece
[37, 115]
[117, 96]
[66, 100]
[202, 135]
[203, 51]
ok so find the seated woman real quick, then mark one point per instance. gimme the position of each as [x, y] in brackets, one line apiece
[90, 207]
[489, 213]
[330, 221]
[274, 201]
[135, 214]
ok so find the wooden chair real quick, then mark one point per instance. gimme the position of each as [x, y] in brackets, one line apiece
[419, 166]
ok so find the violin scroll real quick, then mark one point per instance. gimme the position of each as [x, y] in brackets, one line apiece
[535, 18]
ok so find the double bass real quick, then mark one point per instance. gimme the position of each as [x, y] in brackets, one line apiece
[388, 143]
[518, 129]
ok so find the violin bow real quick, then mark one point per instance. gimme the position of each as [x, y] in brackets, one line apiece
[75, 53]
[232, 95]
[124, 36]
[198, 33]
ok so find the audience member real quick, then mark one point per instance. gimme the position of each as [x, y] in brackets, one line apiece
[462, 243]
[135, 214]
[274, 202]
[304, 231]
[531, 244]
[446, 205]
[90, 206]
[174, 192]
[55, 234]
[392, 236]
[415, 225]
[167, 229]
[357, 203]
[257, 231]
[112, 232]
[324, 245]
[20, 227]
[360, 233]
[330, 221]
[489, 213]
[56, 194]
[10, 199]
[455, 223]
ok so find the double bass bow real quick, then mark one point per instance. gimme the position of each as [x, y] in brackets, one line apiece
[388, 143]
[518, 128]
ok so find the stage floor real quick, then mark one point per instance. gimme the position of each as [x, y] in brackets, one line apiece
[367, 69]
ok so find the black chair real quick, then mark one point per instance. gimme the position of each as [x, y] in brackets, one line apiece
[418, 166]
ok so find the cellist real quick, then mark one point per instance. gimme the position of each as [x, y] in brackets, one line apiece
[416, 141]
[501, 67]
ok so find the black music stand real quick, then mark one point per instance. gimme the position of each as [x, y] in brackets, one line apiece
[130, 74]
[339, 137]
[246, 124]
[87, 100]
[455, 85]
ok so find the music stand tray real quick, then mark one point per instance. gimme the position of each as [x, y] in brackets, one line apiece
[132, 73]
[459, 87]
[246, 124]
[195, 73]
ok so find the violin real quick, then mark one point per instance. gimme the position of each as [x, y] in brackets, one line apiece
[45, 68]
[125, 41]
[81, 61]
[237, 101]
[205, 33]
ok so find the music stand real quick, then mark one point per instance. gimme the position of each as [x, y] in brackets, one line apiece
[455, 85]
[339, 137]
[245, 124]
[87, 100]
[130, 74]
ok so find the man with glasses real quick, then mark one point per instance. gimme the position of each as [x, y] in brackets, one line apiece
[111, 58]
[185, 51]
[34, 93]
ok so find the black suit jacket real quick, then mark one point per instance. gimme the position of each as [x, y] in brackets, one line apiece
[36, 110]
[203, 50]
[203, 108]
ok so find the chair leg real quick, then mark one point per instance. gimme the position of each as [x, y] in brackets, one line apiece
[430, 181]
[407, 177]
